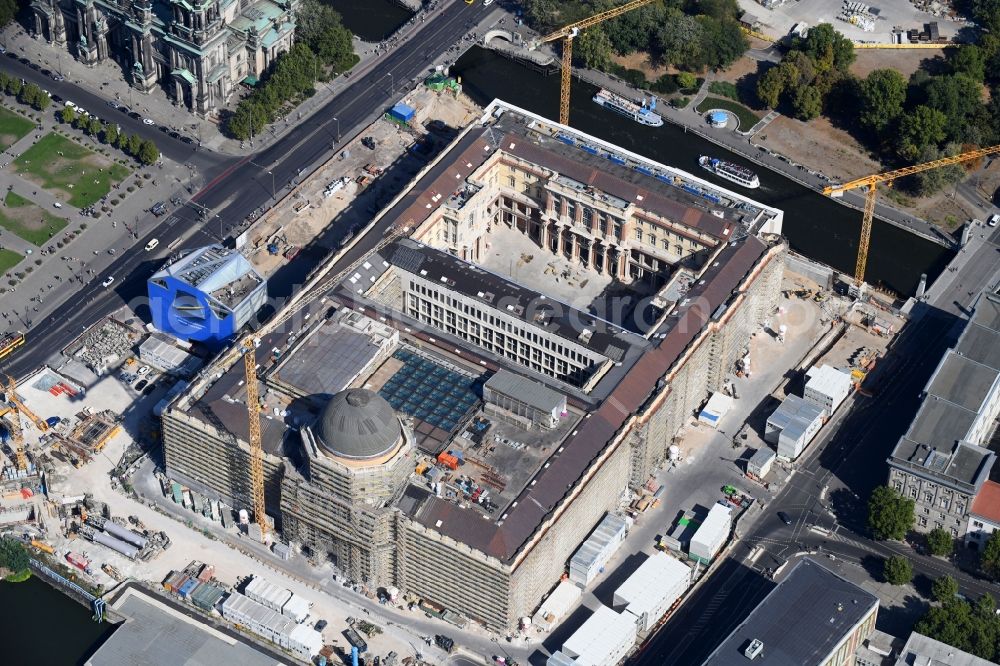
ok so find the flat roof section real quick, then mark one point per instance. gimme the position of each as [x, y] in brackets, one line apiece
[962, 381]
[531, 393]
[158, 633]
[922, 650]
[800, 621]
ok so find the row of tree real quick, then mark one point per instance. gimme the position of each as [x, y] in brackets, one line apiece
[323, 48]
[26, 93]
[13, 557]
[687, 34]
[935, 113]
[142, 150]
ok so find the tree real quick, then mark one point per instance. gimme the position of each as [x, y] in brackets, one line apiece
[987, 14]
[722, 42]
[828, 48]
[890, 515]
[679, 40]
[12, 555]
[96, 126]
[921, 127]
[807, 102]
[897, 570]
[989, 559]
[29, 94]
[771, 86]
[42, 102]
[686, 80]
[968, 59]
[14, 86]
[8, 11]
[133, 145]
[934, 180]
[940, 542]
[247, 120]
[883, 93]
[593, 49]
[67, 115]
[147, 153]
[319, 27]
[958, 97]
[944, 590]
[110, 135]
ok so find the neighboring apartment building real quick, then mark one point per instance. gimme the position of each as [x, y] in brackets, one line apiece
[984, 517]
[199, 52]
[921, 650]
[812, 618]
[942, 461]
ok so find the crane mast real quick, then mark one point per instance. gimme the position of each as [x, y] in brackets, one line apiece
[566, 34]
[256, 446]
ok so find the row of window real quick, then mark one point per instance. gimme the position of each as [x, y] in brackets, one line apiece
[490, 321]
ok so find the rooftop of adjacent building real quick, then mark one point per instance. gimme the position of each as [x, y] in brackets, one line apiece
[936, 442]
[222, 273]
[800, 621]
[921, 650]
[987, 502]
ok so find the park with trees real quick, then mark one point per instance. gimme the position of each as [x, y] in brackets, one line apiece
[687, 35]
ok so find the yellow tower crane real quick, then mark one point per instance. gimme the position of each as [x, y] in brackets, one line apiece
[256, 446]
[566, 34]
[871, 182]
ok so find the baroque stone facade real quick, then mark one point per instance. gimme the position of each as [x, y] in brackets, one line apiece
[198, 51]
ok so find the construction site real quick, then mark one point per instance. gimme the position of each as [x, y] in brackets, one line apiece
[443, 439]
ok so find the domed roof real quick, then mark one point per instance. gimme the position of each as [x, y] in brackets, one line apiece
[357, 424]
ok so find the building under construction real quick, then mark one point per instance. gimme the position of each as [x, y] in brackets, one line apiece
[441, 421]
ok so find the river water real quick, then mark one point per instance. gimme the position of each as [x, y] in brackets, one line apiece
[371, 20]
[42, 626]
[815, 226]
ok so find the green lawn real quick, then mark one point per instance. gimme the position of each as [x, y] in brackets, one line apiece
[8, 259]
[747, 117]
[56, 163]
[13, 126]
[26, 219]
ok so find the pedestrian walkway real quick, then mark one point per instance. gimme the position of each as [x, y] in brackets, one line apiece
[762, 123]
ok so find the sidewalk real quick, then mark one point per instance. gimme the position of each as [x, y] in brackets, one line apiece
[743, 146]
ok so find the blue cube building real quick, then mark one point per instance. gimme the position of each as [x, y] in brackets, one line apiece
[206, 295]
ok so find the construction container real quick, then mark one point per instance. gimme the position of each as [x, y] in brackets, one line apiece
[44, 547]
[266, 593]
[556, 605]
[173, 581]
[207, 596]
[589, 560]
[78, 561]
[652, 589]
[206, 573]
[605, 638]
[448, 460]
[179, 583]
[188, 587]
[712, 534]
[175, 490]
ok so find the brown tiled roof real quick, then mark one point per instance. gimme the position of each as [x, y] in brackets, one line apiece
[987, 502]
[504, 538]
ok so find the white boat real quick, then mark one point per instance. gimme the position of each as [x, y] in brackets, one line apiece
[731, 172]
[640, 113]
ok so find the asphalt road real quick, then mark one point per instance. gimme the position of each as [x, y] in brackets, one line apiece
[171, 148]
[237, 187]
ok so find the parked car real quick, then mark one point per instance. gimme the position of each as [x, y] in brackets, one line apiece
[993, 220]
[321, 625]
[147, 121]
[141, 385]
[159, 208]
[143, 370]
[784, 518]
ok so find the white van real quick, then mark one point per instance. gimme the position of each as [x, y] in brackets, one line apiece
[152, 244]
[993, 220]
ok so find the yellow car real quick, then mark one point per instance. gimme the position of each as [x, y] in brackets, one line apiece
[470, 2]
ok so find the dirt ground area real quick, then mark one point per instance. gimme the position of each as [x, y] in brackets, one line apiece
[352, 178]
[640, 61]
[744, 67]
[904, 61]
[820, 146]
